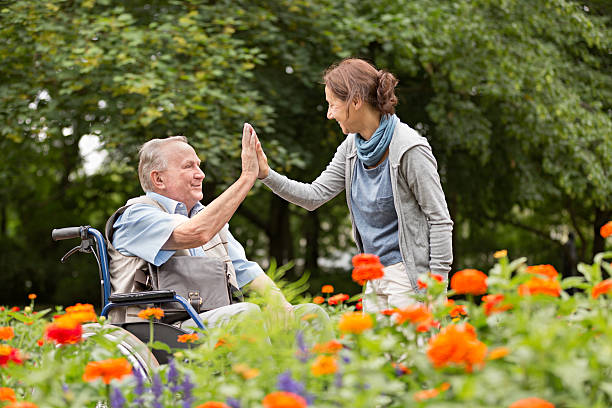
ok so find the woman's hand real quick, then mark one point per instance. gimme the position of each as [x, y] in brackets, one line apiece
[264, 169]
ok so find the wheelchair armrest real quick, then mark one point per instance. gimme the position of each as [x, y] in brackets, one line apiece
[150, 296]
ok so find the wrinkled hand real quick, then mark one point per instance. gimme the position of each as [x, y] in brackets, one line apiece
[250, 166]
[262, 160]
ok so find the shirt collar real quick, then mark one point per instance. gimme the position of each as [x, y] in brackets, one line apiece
[173, 206]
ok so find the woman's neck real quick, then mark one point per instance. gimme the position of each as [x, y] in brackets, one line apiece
[371, 121]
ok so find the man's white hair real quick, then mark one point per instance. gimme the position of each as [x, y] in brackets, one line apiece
[151, 158]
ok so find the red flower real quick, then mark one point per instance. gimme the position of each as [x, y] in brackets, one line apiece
[469, 281]
[531, 403]
[359, 305]
[421, 284]
[493, 304]
[64, 330]
[339, 298]
[456, 344]
[9, 354]
[365, 259]
[108, 370]
[547, 271]
[362, 274]
[283, 399]
[22, 404]
[331, 347]
[327, 289]
[537, 286]
[14, 309]
[606, 229]
[601, 288]
[6, 333]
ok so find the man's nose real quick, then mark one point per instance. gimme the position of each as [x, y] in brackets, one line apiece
[200, 173]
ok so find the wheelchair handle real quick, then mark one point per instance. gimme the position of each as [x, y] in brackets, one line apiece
[59, 234]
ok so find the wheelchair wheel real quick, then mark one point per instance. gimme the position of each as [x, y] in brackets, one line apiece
[135, 351]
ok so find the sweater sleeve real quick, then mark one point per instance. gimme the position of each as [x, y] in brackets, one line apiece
[420, 169]
[312, 195]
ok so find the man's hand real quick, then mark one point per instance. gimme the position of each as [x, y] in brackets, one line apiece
[262, 160]
[250, 166]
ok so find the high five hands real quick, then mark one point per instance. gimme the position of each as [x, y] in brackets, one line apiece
[249, 136]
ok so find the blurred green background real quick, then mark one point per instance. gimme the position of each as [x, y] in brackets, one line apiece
[514, 96]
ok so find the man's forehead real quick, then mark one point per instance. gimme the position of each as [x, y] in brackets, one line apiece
[180, 152]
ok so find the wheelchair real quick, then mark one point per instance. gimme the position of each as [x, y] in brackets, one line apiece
[133, 336]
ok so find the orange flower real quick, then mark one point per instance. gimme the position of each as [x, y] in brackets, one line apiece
[339, 298]
[400, 369]
[417, 314]
[108, 370]
[364, 273]
[547, 271]
[606, 229]
[355, 322]
[318, 300]
[497, 353]
[22, 404]
[64, 330]
[536, 286]
[245, 371]
[456, 310]
[32, 296]
[500, 254]
[327, 289]
[365, 259]
[421, 284]
[456, 344]
[6, 333]
[331, 347]
[601, 288]
[531, 403]
[425, 394]
[213, 404]
[469, 281]
[324, 365]
[387, 312]
[151, 313]
[283, 399]
[9, 354]
[81, 312]
[14, 309]
[7, 394]
[187, 338]
[493, 304]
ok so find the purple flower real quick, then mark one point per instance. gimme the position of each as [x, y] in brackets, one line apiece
[116, 398]
[338, 379]
[173, 377]
[286, 383]
[157, 388]
[302, 353]
[233, 402]
[186, 389]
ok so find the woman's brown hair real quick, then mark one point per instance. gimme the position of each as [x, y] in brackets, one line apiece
[355, 78]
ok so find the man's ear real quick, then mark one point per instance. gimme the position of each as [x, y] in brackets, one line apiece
[157, 179]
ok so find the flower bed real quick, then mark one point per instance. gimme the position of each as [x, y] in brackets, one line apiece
[512, 338]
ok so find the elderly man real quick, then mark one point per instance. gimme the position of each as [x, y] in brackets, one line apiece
[170, 218]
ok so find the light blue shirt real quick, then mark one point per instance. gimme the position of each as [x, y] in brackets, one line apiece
[374, 212]
[142, 230]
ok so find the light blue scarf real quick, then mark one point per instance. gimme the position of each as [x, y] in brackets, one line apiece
[371, 151]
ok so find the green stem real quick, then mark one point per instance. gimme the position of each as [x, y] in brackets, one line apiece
[151, 332]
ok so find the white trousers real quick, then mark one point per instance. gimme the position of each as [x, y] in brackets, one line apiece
[393, 290]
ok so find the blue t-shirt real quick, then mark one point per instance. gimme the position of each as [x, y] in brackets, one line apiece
[142, 230]
[374, 212]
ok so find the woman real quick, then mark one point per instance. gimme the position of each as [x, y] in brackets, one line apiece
[393, 190]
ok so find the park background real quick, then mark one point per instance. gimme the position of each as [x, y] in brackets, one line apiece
[514, 97]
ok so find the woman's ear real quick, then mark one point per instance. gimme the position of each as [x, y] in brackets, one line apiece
[357, 104]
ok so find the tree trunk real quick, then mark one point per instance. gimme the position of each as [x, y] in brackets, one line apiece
[601, 217]
[281, 240]
[311, 230]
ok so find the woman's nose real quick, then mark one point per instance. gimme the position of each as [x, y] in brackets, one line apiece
[329, 114]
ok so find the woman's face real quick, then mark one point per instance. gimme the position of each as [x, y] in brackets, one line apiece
[343, 112]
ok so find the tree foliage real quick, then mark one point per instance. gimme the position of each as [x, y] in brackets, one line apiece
[513, 96]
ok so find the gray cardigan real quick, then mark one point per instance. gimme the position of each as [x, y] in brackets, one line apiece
[424, 224]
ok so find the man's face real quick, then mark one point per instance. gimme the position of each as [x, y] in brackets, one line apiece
[182, 179]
